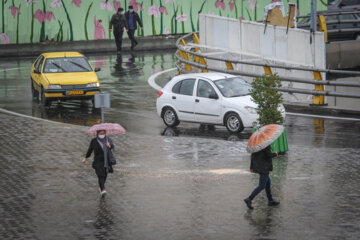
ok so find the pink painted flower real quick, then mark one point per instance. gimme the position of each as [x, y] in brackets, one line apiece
[167, 31]
[154, 10]
[43, 16]
[181, 17]
[163, 10]
[49, 15]
[241, 18]
[135, 5]
[56, 3]
[167, 1]
[107, 5]
[231, 5]
[14, 11]
[99, 32]
[275, 1]
[28, 2]
[220, 3]
[76, 2]
[4, 39]
[117, 5]
[252, 4]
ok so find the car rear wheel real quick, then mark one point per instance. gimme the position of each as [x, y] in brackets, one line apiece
[35, 94]
[44, 100]
[233, 123]
[170, 118]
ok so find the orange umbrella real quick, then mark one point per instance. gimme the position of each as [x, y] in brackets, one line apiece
[263, 137]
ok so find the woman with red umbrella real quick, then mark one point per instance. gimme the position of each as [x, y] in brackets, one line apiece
[261, 160]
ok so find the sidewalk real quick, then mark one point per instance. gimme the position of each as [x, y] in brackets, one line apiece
[95, 46]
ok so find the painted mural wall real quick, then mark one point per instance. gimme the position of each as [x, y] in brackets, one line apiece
[29, 21]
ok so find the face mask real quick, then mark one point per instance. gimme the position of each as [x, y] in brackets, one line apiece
[122, 13]
[101, 136]
[131, 10]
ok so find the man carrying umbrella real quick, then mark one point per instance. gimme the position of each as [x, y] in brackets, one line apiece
[261, 160]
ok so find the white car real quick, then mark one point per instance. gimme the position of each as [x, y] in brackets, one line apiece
[208, 98]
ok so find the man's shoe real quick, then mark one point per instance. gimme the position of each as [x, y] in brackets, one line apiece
[273, 203]
[248, 203]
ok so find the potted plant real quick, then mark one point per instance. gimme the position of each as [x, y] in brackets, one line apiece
[269, 99]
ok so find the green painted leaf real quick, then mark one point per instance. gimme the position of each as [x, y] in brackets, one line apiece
[86, 19]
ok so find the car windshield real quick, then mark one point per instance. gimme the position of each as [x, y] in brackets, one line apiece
[233, 87]
[67, 64]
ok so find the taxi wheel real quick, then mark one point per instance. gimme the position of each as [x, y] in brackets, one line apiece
[44, 100]
[35, 94]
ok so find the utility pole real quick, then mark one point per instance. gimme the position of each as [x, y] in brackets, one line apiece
[313, 16]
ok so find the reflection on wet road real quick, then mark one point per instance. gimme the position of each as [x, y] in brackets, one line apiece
[182, 183]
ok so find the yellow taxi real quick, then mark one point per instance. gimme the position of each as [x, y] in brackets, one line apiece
[63, 76]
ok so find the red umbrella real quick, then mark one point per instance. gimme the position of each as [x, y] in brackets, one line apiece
[110, 128]
[263, 137]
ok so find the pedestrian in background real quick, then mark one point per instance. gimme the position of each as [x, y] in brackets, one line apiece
[118, 21]
[261, 163]
[100, 145]
[133, 20]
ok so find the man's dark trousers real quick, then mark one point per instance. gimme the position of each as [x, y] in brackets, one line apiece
[118, 39]
[131, 34]
[264, 182]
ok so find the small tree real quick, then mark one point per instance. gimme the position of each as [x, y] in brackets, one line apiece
[267, 98]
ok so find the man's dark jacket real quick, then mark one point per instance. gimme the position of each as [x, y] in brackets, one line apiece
[119, 22]
[136, 19]
[261, 162]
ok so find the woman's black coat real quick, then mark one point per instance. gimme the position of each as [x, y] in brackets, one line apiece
[98, 163]
[261, 162]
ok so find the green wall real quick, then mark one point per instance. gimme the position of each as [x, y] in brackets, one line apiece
[25, 21]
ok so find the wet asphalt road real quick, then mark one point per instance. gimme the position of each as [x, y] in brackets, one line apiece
[184, 183]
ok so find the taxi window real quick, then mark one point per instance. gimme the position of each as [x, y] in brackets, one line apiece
[39, 63]
[68, 64]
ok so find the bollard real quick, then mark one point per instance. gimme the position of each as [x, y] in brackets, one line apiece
[229, 65]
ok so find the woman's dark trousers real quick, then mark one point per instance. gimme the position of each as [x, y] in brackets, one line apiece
[102, 178]
[118, 39]
[264, 182]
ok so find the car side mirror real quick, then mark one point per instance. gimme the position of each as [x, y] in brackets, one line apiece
[213, 95]
[97, 69]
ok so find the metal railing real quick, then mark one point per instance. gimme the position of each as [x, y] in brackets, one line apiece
[189, 57]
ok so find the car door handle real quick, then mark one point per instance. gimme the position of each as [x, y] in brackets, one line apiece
[197, 100]
[173, 97]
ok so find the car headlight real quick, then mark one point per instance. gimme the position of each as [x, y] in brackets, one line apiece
[93, 85]
[251, 110]
[54, 86]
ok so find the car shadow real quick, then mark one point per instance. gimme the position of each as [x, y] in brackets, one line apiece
[206, 131]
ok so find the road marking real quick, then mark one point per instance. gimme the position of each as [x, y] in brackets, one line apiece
[151, 79]
[322, 116]
[9, 69]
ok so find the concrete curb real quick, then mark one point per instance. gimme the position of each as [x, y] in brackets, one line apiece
[88, 47]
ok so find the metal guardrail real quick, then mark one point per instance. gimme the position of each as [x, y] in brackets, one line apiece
[333, 14]
[189, 56]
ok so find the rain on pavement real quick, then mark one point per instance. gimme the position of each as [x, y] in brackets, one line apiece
[183, 183]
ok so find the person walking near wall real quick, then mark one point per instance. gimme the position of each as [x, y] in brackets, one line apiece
[100, 145]
[133, 20]
[261, 163]
[118, 21]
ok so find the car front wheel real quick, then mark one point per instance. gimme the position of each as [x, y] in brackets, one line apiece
[233, 123]
[170, 118]
[35, 94]
[44, 100]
